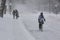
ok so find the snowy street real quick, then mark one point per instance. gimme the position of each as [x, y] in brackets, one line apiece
[26, 26]
[51, 28]
[12, 29]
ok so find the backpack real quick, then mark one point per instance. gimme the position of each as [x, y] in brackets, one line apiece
[41, 20]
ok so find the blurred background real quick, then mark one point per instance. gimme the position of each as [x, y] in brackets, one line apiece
[31, 5]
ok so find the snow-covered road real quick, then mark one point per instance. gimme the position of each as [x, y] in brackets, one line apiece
[51, 28]
[12, 29]
[16, 29]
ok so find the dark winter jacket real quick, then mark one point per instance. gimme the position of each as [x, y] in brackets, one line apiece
[15, 12]
[41, 17]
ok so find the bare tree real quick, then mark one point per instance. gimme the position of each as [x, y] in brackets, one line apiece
[3, 2]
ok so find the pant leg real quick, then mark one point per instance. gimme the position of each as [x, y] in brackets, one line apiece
[40, 26]
[17, 15]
